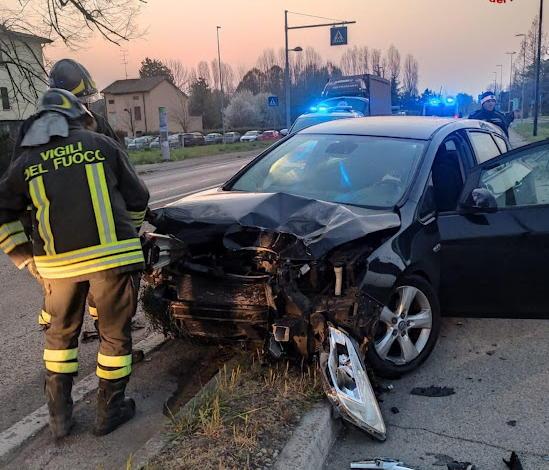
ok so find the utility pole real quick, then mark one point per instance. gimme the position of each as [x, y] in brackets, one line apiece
[124, 53]
[220, 80]
[523, 71]
[538, 69]
[287, 83]
[495, 82]
[500, 80]
[511, 54]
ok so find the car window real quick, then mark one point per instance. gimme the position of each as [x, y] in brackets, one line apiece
[359, 170]
[500, 141]
[484, 146]
[447, 176]
[308, 121]
[523, 181]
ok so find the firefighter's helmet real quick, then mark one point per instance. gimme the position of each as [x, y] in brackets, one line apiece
[64, 102]
[72, 76]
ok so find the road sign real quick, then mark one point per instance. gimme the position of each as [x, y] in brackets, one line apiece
[338, 36]
[272, 101]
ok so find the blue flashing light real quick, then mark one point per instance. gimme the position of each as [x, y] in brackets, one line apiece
[434, 102]
[313, 109]
[450, 100]
[322, 109]
[344, 180]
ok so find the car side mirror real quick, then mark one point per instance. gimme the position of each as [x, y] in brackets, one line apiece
[481, 200]
[284, 132]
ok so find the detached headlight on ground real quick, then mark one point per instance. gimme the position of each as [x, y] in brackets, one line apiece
[347, 384]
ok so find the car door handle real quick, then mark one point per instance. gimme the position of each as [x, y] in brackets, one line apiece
[437, 248]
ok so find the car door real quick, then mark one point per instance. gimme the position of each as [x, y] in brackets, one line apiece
[495, 254]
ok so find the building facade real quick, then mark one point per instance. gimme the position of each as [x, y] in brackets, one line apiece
[22, 76]
[131, 106]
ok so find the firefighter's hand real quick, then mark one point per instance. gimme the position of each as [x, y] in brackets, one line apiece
[34, 272]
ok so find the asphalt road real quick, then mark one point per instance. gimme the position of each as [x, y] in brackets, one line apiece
[498, 369]
[21, 345]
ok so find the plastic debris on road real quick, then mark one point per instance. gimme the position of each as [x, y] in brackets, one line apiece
[380, 463]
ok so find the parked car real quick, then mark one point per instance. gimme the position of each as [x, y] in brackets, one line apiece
[193, 138]
[175, 141]
[155, 144]
[213, 138]
[231, 137]
[140, 143]
[250, 136]
[358, 232]
[267, 136]
[127, 141]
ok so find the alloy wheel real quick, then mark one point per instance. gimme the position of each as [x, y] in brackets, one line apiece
[404, 326]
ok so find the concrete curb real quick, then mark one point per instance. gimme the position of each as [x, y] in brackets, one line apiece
[160, 441]
[311, 441]
[17, 435]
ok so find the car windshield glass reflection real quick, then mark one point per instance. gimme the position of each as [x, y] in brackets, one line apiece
[364, 171]
[304, 122]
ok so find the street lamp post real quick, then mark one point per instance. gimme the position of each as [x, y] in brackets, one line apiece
[495, 81]
[511, 54]
[220, 81]
[538, 69]
[287, 83]
[500, 80]
[523, 72]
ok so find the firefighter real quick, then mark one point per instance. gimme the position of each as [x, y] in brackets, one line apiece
[74, 77]
[86, 202]
[488, 113]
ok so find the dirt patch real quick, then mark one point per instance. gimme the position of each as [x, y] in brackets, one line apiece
[245, 421]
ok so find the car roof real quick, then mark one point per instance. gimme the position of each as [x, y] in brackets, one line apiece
[409, 127]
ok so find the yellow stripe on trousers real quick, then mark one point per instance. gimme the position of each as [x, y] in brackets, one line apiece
[101, 201]
[42, 204]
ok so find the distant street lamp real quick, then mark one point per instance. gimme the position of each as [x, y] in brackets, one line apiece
[495, 81]
[523, 72]
[500, 80]
[538, 68]
[511, 54]
[220, 81]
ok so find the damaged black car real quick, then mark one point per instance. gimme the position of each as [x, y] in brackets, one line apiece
[342, 242]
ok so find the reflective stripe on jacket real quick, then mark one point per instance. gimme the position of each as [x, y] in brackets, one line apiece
[87, 203]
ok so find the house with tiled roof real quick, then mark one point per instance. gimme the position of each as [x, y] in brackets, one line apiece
[132, 106]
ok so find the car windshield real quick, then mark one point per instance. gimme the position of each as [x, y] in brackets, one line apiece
[357, 104]
[308, 121]
[365, 171]
[140, 140]
[252, 133]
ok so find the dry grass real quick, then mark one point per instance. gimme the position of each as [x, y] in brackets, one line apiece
[244, 422]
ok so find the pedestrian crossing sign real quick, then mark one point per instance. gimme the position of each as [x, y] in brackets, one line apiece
[272, 101]
[338, 36]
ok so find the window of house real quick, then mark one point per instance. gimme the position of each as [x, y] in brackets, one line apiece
[136, 98]
[111, 101]
[137, 113]
[5, 98]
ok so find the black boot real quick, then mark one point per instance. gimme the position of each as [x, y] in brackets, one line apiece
[113, 408]
[58, 397]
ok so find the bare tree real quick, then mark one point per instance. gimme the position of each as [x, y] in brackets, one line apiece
[375, 57]
[203, 70]
[410, 76]
[215, 73]
[70, 21]
[393, 63]
[267, 60]
[228, 78]
[180, 112]
[181, 74]
[355, 60]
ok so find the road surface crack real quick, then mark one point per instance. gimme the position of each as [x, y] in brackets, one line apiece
[465, 439]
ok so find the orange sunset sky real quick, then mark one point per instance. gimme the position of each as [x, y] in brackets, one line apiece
[458, 43]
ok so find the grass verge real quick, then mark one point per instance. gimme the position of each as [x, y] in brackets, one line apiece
[244, 422]
[154, 156]
[525, 129]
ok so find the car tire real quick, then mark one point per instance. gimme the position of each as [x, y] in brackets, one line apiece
[415, 328]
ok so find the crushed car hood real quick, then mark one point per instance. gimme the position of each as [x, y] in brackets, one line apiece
[320, 226]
